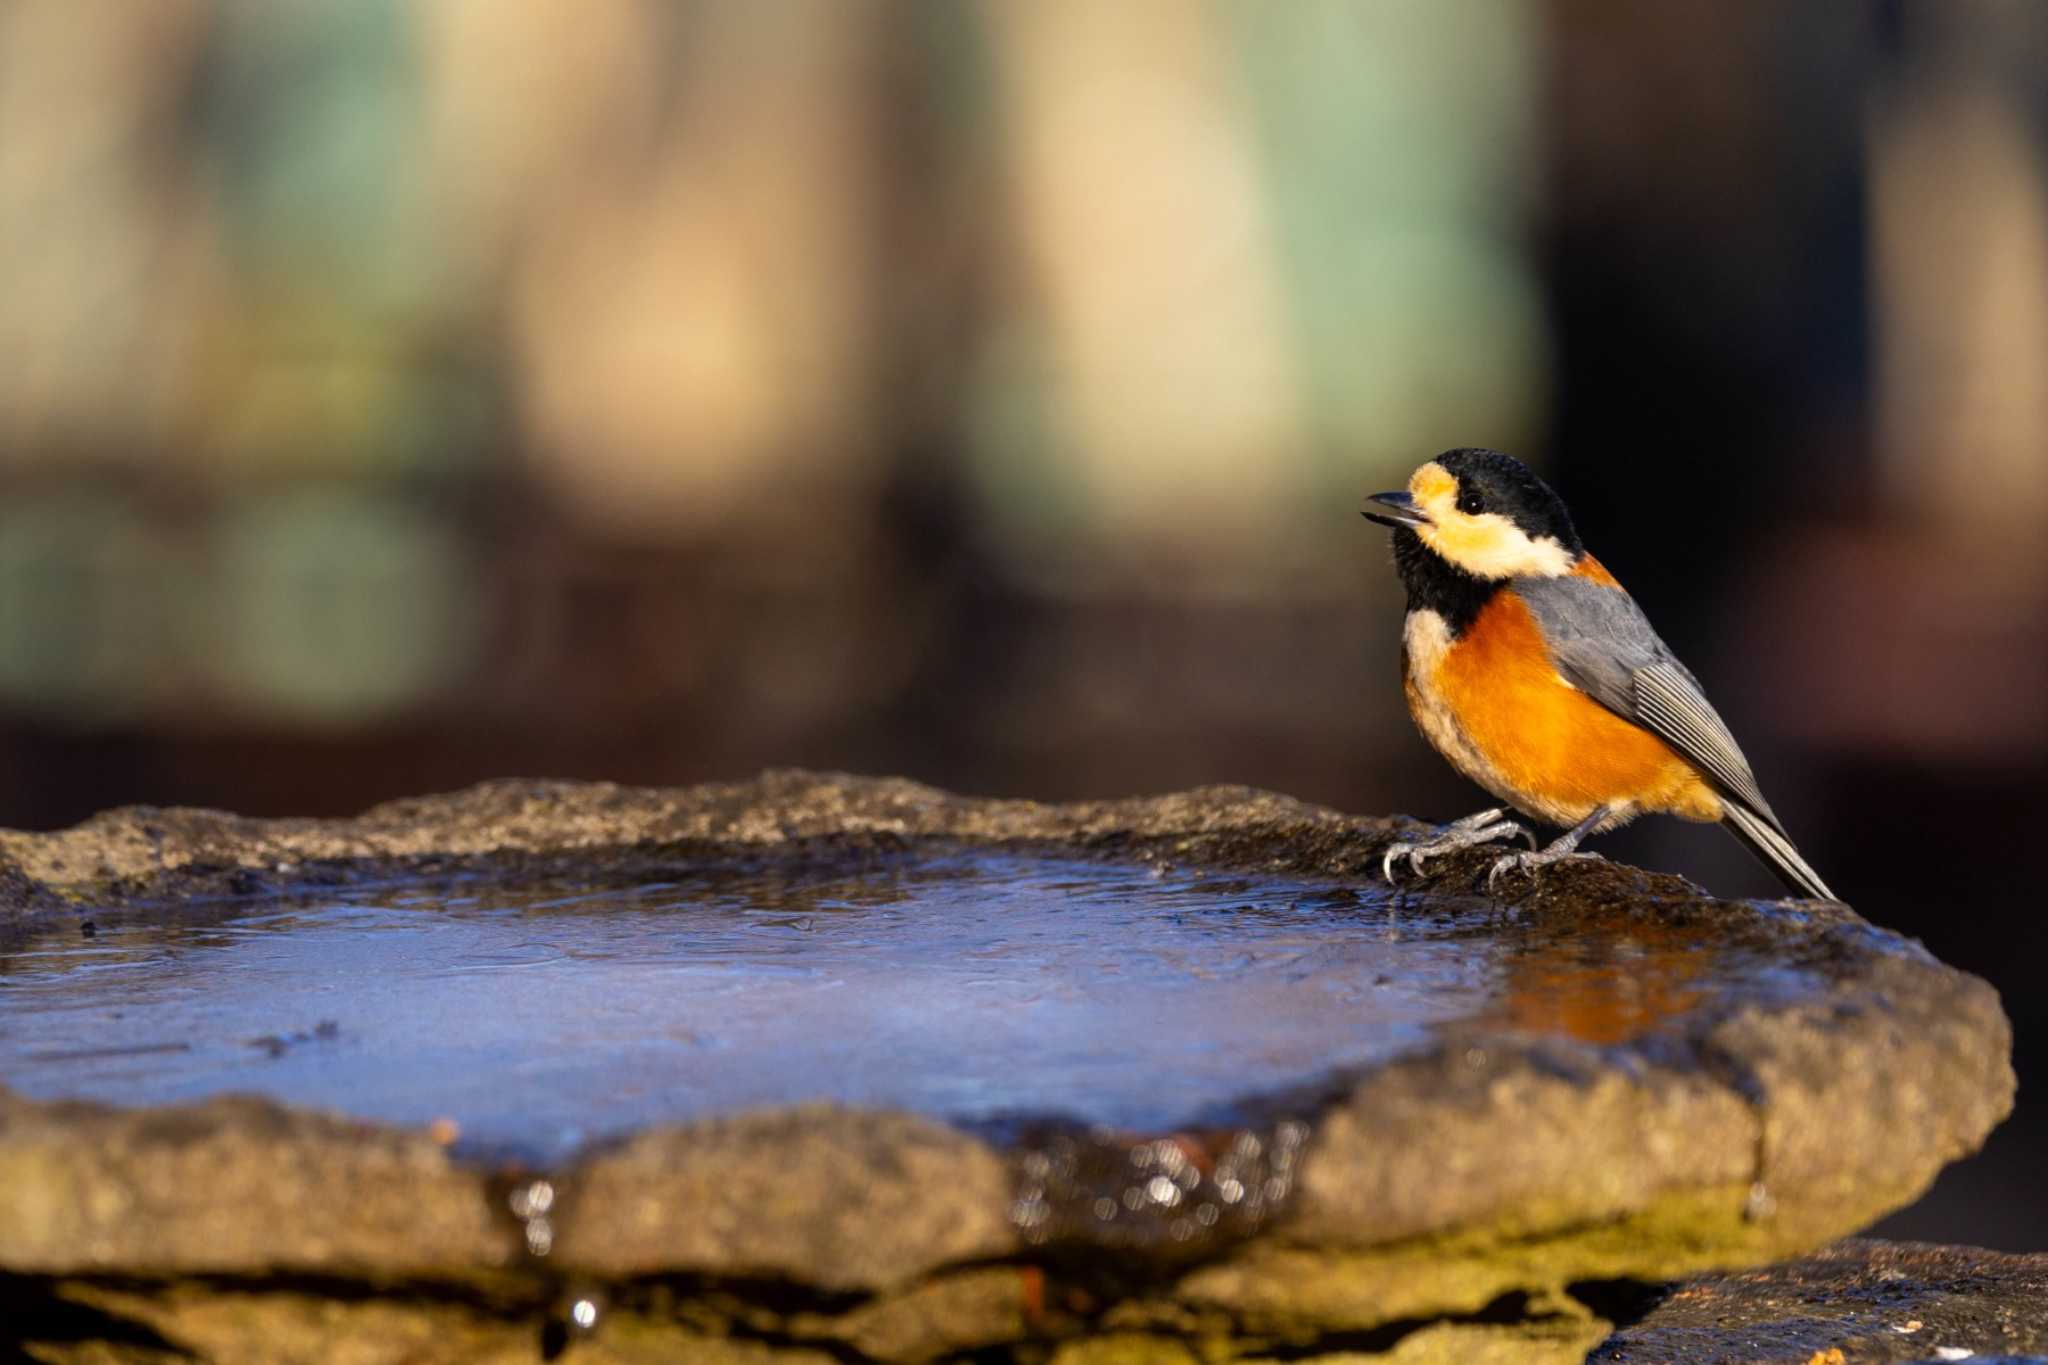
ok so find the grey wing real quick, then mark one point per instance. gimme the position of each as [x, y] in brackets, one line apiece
[1670, 705]
[1603, 645]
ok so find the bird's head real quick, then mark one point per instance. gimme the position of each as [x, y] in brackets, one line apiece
[1484, 514]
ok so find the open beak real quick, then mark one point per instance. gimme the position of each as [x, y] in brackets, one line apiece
[1394, 509]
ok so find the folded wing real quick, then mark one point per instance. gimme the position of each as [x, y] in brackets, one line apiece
[1603, 645]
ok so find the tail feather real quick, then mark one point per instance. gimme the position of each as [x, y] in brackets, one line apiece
[1768, 843]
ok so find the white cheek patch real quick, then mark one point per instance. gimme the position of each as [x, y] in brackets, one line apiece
[1487, 545]
[1491, 546]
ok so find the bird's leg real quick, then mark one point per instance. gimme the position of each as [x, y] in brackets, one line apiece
[1565, 846]
[1486, 827]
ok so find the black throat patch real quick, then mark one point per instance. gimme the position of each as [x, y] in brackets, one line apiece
[1434, 584]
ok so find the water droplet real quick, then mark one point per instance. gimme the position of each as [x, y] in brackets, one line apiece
[532, 1200]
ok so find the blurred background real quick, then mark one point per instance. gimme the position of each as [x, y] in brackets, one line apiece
[398, 393]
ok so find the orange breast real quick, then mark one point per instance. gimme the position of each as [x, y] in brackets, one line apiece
[1546, 746]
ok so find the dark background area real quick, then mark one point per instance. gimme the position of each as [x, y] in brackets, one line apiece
[394, 395]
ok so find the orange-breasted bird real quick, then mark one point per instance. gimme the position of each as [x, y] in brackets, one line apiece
[1536, 674]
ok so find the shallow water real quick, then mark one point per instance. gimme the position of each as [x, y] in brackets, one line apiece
[970, 987]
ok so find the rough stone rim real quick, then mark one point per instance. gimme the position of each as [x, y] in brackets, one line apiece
[1771, 1130]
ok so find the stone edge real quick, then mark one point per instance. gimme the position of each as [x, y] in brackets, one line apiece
[1757, 1115]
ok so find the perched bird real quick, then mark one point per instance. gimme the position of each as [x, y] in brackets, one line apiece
[1531, 669]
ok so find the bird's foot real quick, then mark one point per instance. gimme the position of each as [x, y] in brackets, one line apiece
[1486, 827]
[1530, 862]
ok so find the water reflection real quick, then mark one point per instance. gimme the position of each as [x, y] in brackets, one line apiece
[1618, 983]
[1603, 990]
[532, 1018]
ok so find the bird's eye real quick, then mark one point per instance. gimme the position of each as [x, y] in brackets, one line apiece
[1469, 501]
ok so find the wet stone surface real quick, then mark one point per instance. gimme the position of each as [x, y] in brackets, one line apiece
[833, 1068]
[1101, 1189]
[533, 1018]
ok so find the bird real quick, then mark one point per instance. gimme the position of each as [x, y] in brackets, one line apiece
[1530, 668]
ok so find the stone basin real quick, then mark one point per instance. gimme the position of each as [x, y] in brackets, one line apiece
[839, 1068]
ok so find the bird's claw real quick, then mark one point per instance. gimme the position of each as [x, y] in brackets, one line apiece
[1416, 854]
[1530, 862]
[1487, 827]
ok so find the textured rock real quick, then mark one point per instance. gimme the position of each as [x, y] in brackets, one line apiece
[231, 1186]
[1858, 1302]
[299, 1324]
[1438, 1206]
[834, 1199]
[147, 853]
